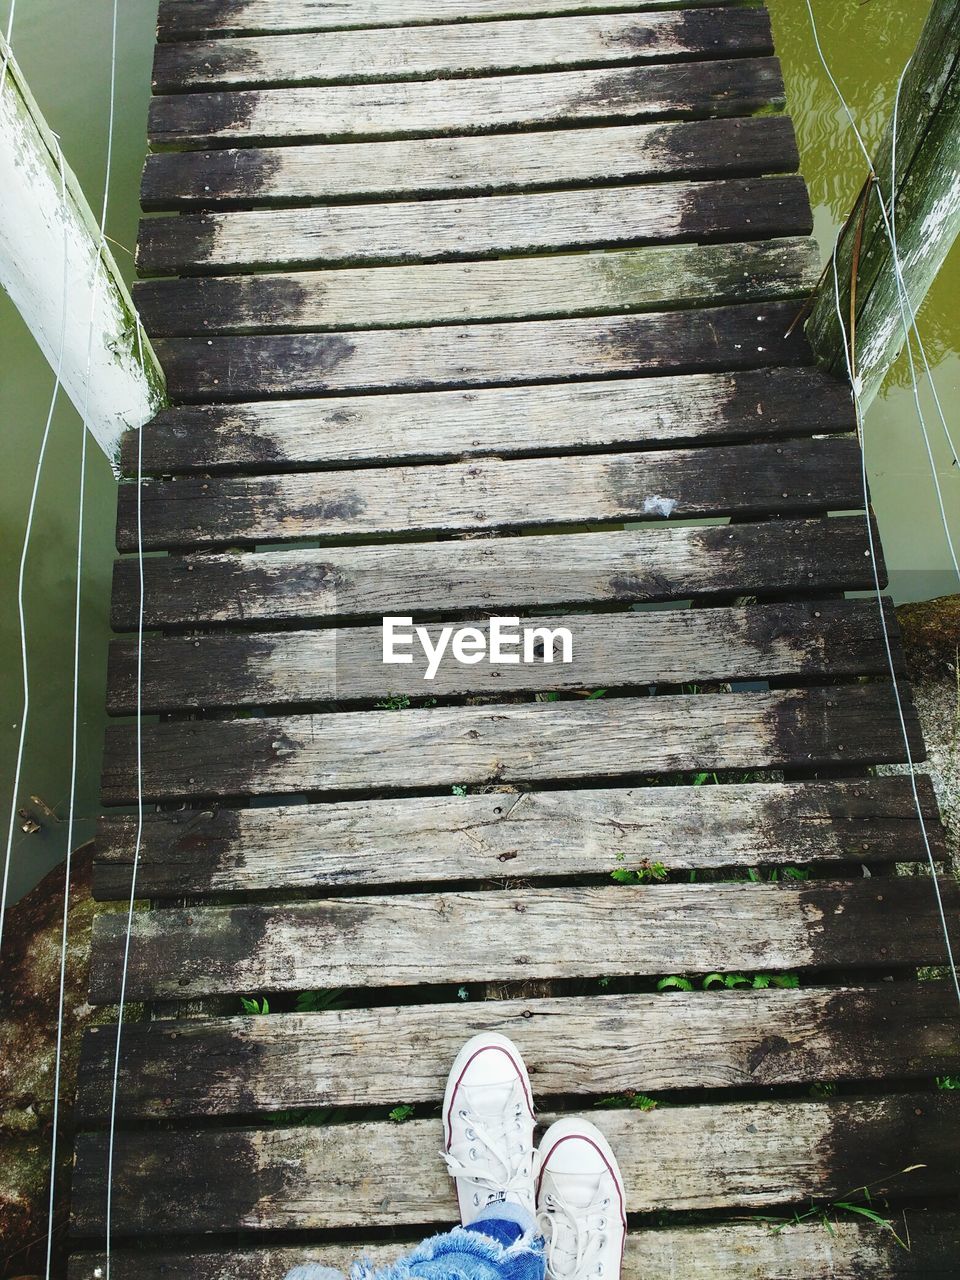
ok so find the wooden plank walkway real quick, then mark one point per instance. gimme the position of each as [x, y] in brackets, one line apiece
[472, 307]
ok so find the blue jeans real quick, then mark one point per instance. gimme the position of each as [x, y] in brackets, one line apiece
[502, 1244]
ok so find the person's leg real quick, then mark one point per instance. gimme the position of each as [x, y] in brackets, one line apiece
[488, 1126]
[578, 1198]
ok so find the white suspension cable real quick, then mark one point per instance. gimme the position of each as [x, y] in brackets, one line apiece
[903, 299]
[98, 277]
[8, 37]
[68, 862]
[137, 842]
[951, 961]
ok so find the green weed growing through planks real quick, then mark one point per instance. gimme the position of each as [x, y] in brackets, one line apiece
[646, 873]
[636, 1101]
[729, 982]
[255, 1005]
[393, 702]
[858, 1203]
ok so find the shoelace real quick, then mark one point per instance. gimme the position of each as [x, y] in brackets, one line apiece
[575, 1237]
[491, 1157]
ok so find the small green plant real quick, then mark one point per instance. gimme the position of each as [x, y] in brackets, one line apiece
[858, 1202]
[647, 873]
[393, 702]
[603, 982]
[636, 1101]
[463, 993]
[318, 1001]
[459, 790]
[403, 1112]
[730, 982]
[259, 1006]
[597, 693]
[823, 1090]
[700, 778]
[675, 982]
[948, 1082]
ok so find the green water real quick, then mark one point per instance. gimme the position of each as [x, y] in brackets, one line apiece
[63, 50]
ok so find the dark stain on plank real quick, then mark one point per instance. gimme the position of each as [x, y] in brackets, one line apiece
[892, 1135]
[739, 203]
[736, 86]
[739, 30]
[803, 726]
[835, 936]
[235, 1188]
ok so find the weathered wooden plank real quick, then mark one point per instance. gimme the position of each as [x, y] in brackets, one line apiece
[444, 166]
[621, 930]
[703, 340]
[429, 839]
[397, 109]
[498, 289]
[761, 642]
[335, 431]
[414, 231]
[410, 53]
[493, 493]
[189, 19]
[506, 742]
[655, 563]
[732, 1251]
[673, 1158]
[599, 1045]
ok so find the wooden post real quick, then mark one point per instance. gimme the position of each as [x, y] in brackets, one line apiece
[927, 214]
[112, 376]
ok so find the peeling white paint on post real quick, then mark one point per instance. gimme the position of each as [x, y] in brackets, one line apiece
[124, 386]
[926, 201]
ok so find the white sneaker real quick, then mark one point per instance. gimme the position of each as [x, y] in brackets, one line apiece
[488, 1123]
[581, 1206]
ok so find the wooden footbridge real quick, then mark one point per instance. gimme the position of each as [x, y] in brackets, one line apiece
[475, 307]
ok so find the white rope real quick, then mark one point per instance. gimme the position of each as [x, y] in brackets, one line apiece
[21, 577]
[98, 275]
[8, 37]
[887, 645]
[68, 865]
[137, 843]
